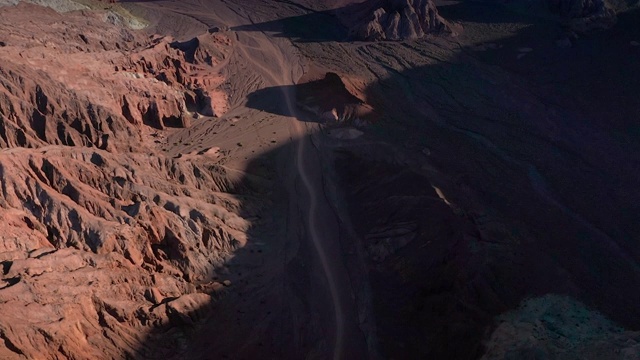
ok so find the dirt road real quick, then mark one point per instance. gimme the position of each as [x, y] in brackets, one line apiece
[261, 60]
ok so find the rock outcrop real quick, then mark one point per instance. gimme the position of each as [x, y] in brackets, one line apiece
[376, 20]
[330, 100]
[559, 327]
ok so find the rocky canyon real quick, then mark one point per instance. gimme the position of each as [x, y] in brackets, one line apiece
[267, 179]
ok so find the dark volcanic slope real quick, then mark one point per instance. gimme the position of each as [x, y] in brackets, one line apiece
[104, 237]
[506, 169]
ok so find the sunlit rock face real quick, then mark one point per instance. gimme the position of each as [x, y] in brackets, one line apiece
[87, 82]
[103, 237]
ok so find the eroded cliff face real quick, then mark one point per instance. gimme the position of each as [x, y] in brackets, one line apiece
[105, 238]
[90, 69]
[92, 241]
[375, 20]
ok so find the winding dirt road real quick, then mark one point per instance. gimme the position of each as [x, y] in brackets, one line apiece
[321, 225]
[312, 184]
[317, 236]
[277, 64]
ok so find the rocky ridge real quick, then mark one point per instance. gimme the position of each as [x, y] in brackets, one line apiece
[376, 20]
[126, 78]
[107, 240]
[559, 327]
[108, 246]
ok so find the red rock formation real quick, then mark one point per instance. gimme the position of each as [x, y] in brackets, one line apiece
[121, 74]
[103, 237]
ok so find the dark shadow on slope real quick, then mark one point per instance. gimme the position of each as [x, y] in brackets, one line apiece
[274, 303]
[247, 318]
[540, 181]
[541, 176]
[324, 95]
[541, 173]
[314, 27]
[271, 100]
[488, 12]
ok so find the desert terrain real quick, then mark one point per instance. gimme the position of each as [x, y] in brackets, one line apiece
[297, 179]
